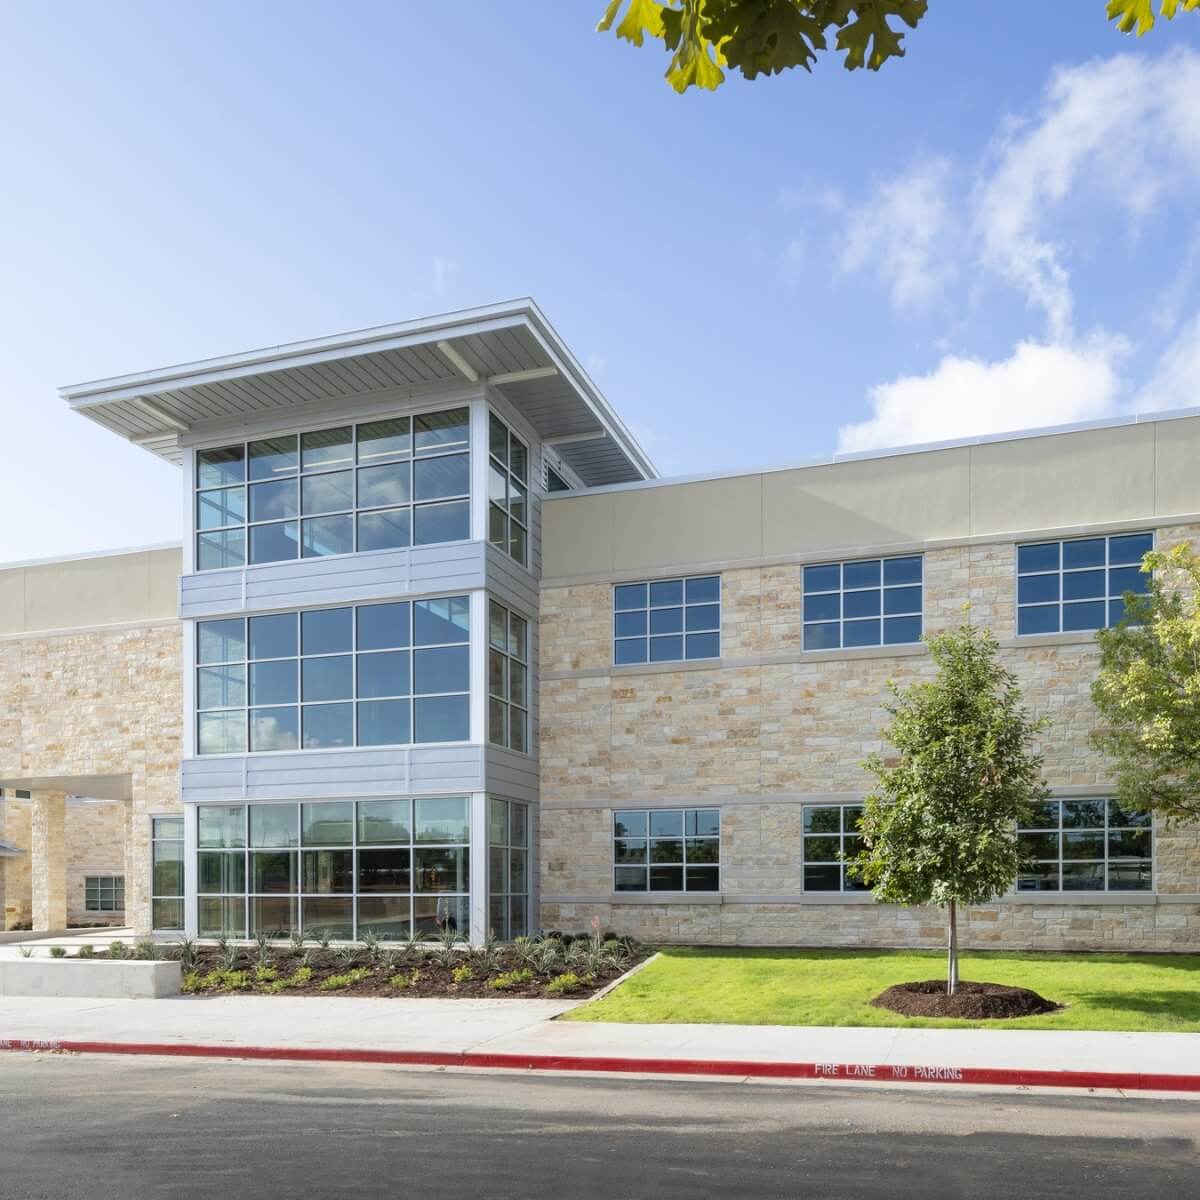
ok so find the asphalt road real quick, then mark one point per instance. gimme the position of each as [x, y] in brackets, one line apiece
[76, 1127]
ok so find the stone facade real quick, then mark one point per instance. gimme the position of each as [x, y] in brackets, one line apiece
[102, 703]
[772, 727]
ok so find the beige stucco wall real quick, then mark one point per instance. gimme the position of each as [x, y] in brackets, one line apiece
[86, 593]
[1131, 473]
[101, 703]
[772, 727]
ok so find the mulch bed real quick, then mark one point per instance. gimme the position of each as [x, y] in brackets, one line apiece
[424, 977]
[970, 1002]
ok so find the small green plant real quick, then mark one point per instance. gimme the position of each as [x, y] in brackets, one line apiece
[414, 943]
[26, 951]
[370, 944]
[296, 940]
[346, 955]
[399, 980]
[298, 978]
[265, 973]
[264, 951]
[144, 951]
[117, 950]
[87, 950]
[58, 952]
[186, 952]
[511, 979]
[235, 981]
[193, 981]
[338, 983]
[449, 941]
[462, 974]
[568, 981]
[487, 955]
[324, 938]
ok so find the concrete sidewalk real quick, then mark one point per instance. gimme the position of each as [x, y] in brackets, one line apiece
[523, 1034]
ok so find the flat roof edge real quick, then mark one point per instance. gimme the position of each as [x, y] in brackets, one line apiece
[118, 552]
[1128, 420]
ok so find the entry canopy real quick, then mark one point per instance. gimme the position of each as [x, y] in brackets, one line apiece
[509, 346]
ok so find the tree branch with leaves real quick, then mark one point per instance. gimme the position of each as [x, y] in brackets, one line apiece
[766, 37]
[1148, 690]
[941, 825]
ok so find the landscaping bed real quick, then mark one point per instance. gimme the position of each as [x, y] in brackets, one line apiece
[548, 968]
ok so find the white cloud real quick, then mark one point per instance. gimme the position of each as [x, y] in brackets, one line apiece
[1118, 132]
[1176, 380]
[903, 233]
[442, 269]
[1040, 384]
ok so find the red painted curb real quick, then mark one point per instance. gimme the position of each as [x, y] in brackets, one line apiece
[842, 1072]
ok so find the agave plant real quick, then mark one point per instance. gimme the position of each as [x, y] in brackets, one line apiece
[346, 954]
[229, 953]
[487, 955]
[186, 951]
[370, 943]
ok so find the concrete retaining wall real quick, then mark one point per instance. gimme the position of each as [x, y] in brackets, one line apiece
[89, 978]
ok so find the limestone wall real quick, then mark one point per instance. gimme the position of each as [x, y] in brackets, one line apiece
[99, 703]
[15, 878]
[771, 727]
[95, 837]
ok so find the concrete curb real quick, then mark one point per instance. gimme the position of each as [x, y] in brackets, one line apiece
[719, 1068]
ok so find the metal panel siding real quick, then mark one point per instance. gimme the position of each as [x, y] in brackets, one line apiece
[512, 775]
[314, 775]
[455, 567]
[511, 584]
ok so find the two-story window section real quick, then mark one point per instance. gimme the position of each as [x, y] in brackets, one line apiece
[667, 850]
[831, 838]
[669, 620]
[876, 602]
[1086, 846]
[508, 491]
[404, 481]
[508, 678]
[375, 675]
[1078, 584]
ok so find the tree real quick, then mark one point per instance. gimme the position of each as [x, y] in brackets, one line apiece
[765, 37]
[1148, 690]
[941, 826]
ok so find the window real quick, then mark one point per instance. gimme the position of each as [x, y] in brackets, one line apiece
[104, 893]
[403, 481]
[1086, 846]
[508, 678]
[334, 869]
[508, 868]
[667, 850]
[668, 620]
[1078, 584]
[830, 837]
[508, 490]
[375, 675]
[166, 880]
[555, 482]
[876, 602]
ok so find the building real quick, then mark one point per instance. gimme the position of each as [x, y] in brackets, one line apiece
[439, 646]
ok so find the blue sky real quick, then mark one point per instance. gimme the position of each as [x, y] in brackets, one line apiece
[999, 231]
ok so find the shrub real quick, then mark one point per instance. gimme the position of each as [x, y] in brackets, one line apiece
[193, 981]
[511, 979]
[87, 950]
[568, 981]
[265, 973]
[117, 950]
[145, 951]
[463, 973]
[487, 956]
[296, 941]
[58, 952]
[370, 943]
[346, 955]
[298, 978]
[230, 952]
[338, 983]
[26, 951]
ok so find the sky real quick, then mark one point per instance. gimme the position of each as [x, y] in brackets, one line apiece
[997, 232]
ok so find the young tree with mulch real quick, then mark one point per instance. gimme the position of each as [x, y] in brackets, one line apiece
[1148, 690]
[941, 826]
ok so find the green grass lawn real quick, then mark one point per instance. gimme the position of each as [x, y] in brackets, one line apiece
[1144, 992]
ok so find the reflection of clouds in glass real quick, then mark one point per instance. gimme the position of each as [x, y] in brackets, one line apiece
[270, 734]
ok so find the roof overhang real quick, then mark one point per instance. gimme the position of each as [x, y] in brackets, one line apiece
[509, 346]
